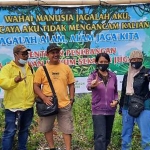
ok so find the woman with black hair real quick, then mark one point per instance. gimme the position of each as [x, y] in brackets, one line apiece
[103, 84]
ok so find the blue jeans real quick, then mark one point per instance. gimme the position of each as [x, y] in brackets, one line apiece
[143, 122]
[102, 130]
[10, 129]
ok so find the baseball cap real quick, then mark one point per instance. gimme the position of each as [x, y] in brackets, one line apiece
[20, 48]
[53, 47]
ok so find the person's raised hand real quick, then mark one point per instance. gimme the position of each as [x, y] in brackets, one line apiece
[95, 82]
[19, 78]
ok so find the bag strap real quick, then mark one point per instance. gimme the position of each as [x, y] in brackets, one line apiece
[31, 69]
[49, 80]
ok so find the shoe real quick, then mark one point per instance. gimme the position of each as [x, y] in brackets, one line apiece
[47, 148]
[52, 149]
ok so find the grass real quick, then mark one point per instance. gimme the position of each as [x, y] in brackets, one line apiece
[82, 138]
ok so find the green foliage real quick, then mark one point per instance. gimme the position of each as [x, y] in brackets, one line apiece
[83, 121]
[1, 124]
[83, 134]
[116, 133]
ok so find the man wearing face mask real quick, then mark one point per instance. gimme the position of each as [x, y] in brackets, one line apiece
[16, 78]
[103, 84]
[135, 81]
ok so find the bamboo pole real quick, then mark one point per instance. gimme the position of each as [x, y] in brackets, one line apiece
[116, 2]
[69, 2]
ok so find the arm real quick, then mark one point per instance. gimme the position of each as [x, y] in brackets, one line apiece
[115, 101]
[93, 81]
[148, 75]
[37, 87]
[89, 82]
[6, 82]
[71, 86]
[116, 89]
[38, 90]
[123, 91]
[71, 92]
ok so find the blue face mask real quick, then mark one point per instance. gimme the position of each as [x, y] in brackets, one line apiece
[21, 61]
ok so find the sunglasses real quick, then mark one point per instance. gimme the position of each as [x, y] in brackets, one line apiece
[23, 53]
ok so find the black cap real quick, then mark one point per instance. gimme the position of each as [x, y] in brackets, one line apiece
[53, 47]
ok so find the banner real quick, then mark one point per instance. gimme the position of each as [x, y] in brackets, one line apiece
[82, 32]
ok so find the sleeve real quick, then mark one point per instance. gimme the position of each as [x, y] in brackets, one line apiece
[123, 91]
[116, 88]
[38, 76]
[71, 78]
[89, 80]
[148, 75]
[6, 82]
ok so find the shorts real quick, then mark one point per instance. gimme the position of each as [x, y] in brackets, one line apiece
[64, 118]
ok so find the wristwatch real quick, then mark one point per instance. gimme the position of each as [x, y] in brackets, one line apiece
[72, 99]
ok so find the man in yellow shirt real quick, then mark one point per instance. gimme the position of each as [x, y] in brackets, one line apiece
[16, 78]
[62, 77]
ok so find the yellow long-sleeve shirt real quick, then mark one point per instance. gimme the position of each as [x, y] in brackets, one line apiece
[17, 95]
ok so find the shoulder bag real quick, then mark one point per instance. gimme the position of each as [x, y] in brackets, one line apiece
[43, 109]
[136, 105]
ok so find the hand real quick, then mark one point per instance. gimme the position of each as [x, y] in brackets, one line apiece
[148, 75]
[95, 82]
[72, 100]
[19, 78]
[48, 100]
[114, 103]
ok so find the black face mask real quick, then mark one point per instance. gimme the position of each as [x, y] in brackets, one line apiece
[102, 67]
[136, 65]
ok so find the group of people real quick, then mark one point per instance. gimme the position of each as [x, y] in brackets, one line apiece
[103, 84]
[21, 84]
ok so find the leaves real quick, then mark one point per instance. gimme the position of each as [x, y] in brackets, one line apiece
[83, 135]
